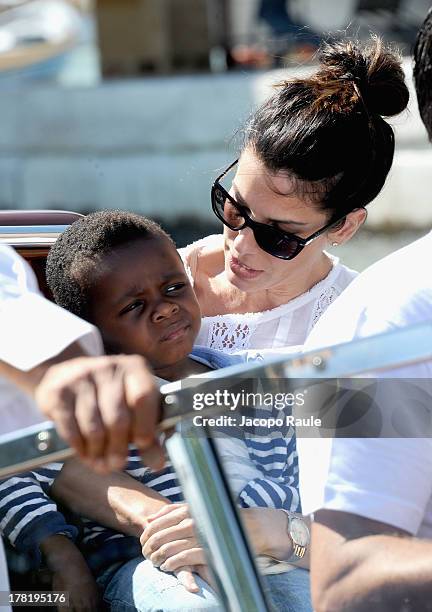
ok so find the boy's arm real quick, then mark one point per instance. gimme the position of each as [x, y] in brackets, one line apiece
[261, 497]
[266, 493]
[115, 500]
[28, 516]
[278, 490]
[70, 573]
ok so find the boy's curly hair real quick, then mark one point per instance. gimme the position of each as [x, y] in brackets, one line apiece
[72, 260]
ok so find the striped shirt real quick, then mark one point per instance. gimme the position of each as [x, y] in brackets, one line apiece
[264, 468]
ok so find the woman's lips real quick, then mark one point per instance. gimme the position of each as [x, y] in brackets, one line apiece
[241, 270]
[178, 331]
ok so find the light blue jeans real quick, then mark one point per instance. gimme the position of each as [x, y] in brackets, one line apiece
[139, 586]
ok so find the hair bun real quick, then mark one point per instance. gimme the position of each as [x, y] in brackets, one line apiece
[375, 69]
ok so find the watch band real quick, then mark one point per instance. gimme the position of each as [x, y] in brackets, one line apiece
[298, 552]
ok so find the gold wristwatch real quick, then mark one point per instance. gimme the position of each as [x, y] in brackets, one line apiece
[299, 534]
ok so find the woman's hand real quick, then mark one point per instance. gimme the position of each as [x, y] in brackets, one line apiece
[170, 539]
[186, 577]
[170, 543]
[267, 530]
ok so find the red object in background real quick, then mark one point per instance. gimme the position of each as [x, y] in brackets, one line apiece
[33, 233]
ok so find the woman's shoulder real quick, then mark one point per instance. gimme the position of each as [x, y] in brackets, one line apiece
[206, 247]
[344, 273]
[205, 254]
[339, 277]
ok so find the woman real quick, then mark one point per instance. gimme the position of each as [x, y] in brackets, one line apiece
[314, 155]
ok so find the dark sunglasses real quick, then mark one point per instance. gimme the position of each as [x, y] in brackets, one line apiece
[270, 239]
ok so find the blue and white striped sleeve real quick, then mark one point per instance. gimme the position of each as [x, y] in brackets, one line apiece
[278, 485]
[28, 515]
[163, 481]
[265, 493]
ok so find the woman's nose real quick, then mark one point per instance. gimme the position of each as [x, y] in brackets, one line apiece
[164, 310]
[244, 241]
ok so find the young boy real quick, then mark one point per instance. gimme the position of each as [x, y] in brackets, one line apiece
[122, 272]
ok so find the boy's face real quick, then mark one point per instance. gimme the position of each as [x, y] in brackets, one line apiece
[143, 303]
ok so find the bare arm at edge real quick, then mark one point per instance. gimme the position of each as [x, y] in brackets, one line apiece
[360, 565]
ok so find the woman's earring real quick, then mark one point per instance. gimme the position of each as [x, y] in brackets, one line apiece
[335, 244]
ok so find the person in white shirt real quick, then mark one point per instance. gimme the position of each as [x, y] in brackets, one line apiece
[372, 498]
[314, 155]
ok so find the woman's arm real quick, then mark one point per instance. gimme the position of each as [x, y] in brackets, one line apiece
[115, 500]
[170, 540]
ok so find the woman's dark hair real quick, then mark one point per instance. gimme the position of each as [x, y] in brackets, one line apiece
[72, 260]
[327, 131]
[423, 71]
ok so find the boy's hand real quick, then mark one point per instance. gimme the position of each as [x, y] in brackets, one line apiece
[71, 574]
[100, 404]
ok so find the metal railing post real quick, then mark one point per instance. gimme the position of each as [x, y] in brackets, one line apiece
[204, 486]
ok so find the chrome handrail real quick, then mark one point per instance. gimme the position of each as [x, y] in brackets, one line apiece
[384, 351]
[195, 459]
[217, 521]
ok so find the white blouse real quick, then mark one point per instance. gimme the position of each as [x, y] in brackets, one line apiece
[285, 325]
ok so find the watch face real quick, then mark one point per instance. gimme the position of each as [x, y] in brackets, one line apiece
[299, 532]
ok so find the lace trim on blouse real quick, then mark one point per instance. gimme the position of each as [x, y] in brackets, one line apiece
[228, 336]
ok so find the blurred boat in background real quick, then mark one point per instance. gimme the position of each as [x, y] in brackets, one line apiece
[36, 35]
